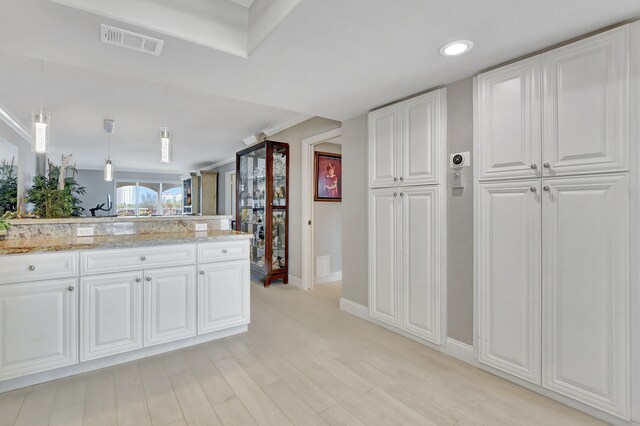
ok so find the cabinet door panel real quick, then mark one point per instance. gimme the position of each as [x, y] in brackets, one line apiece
[384, 128]
[111, 314]
[223, 295]
[169, 305]
[383, 252]
[509, 124]
[38, 330]
[586, 290]
[508, 255]
[421, 139]
[421, 269]
[586, 105]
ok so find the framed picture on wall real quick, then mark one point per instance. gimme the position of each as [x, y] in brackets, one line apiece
[328, 177]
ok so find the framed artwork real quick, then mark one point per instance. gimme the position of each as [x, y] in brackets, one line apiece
[327, 177]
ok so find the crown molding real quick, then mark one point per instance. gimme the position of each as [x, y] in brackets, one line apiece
[276, 128]
[13, 122]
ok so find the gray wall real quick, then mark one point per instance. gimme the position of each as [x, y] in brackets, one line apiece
[327, 217]
[222, 187]
[294, 136]
[460, 214]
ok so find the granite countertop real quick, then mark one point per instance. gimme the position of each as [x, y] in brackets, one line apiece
[113, 219]
[39, 245]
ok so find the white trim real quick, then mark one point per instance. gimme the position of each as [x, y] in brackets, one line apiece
[229, 177]
[13, 122]
[355, 309]
[219, 164]
[329, 278]
[277, 128]
[476, 185]
[307, 159]
[461, 351]
[296, 282]
[96, 364]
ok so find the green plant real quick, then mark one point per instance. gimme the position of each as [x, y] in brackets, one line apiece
[56, 196]
[8, 186]
[4, 226]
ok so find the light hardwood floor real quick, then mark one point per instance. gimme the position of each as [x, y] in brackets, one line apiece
[302, 362]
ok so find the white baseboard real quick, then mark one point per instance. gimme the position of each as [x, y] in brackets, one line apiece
[329, 278]
[461, 351]
[296, 282]
[354, 308]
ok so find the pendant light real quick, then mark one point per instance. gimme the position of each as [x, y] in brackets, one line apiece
[108, 167]
[40, 122]
[166, 151]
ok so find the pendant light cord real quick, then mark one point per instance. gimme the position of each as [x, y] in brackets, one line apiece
[109, 147]
[41, 85]
[166, 99]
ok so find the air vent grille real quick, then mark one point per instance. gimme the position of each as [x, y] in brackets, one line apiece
[130, 40]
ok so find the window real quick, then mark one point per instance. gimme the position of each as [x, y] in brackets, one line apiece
[148, 198]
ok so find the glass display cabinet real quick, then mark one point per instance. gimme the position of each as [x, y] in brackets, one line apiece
[262, 174]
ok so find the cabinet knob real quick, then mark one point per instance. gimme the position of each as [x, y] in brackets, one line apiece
[547, 166]
[395, 194]
[148, 278]
[71, 288]
[532, 189]
[402, 194]
[32, 267]
[138, 280]
[201, 272]
[395, 179]
[401, 178]
[534, 166]
[143, 258]
[225, 250]
[546, 188]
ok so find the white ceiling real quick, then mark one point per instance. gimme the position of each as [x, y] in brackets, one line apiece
[331, 58]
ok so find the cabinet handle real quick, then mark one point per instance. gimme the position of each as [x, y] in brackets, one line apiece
[143, 258]
[225, 250]
[201, 272]
[532, 189]
[547, 166]
[148, 278]
[71, 288]
[138, 280]
[534, 166]
[546, 188]
[32, 267]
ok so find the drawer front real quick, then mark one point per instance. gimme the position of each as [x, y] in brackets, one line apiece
[119, 260]
[221, 251]
[39, 266]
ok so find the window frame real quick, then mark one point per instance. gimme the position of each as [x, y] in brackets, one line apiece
[137, 183]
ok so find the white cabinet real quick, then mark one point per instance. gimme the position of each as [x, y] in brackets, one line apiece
[509, 121]
[509, 288]
[223, 295]
[586, 290]
[111, 314]
[169, 304]
[38, 326]
[586, 101]
[405, 141]
[405, 275]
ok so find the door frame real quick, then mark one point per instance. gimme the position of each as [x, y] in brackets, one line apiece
[229, 179]
[307, 158]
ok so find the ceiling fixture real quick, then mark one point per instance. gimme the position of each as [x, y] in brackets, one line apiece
[166, 151]
[40, 122]
[108, 167]
[456, 48]
[130, 40]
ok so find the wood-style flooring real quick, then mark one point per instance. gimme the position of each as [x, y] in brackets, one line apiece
[302, 362]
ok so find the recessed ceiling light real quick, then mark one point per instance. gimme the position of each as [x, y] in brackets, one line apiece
[456, 48]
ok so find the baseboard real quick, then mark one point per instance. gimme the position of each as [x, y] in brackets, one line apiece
[354, 308]
[296, 282]
[329, 278]
[461, 351]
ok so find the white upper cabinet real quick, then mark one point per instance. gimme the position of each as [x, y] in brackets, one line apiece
[406, 141]
[586, 290]
[384, 134]
[585, 86]
[508, 121]
[509, 288]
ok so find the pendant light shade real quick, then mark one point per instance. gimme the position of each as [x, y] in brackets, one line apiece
[165, 145]
[108, 166]
[108, 171]
[40, 125]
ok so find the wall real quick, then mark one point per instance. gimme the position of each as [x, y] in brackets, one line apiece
[294, 136]
[98, 188]
[460, 214]
[327, 228]
[222, 188]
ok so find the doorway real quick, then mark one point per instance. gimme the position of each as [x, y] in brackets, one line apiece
[230, 193]
[321, 220]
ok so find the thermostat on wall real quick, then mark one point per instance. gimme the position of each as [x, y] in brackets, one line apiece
[459, 159]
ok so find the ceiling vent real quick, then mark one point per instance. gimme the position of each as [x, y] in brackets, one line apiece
[129, 40]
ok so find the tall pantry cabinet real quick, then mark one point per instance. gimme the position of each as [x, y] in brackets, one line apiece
[407, 144]
[552, 220]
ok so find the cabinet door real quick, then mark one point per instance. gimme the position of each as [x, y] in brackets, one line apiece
[586, 88]
[508, 121]
[421, 263]
[38, 327]
[111, 313]
[169, 304]
[422, 139]
[586, 290]
[383, 255]
[509, 288]
[384, 136]
[223, 295]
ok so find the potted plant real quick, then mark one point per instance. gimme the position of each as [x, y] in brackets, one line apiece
[56, 194]
[8, 186]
